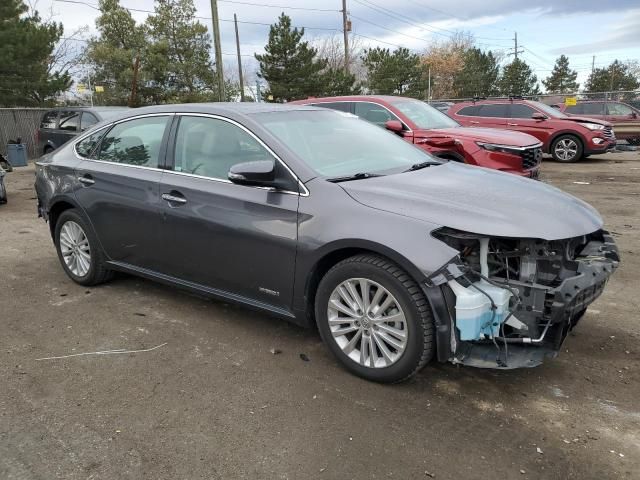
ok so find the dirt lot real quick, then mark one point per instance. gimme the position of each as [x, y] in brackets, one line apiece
[213, 402]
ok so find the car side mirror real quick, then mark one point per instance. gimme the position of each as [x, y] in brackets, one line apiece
[634, 115]
[260, 173]
[539, 116]
[394, 125]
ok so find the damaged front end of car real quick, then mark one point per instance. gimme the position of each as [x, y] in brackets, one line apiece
[510, 302]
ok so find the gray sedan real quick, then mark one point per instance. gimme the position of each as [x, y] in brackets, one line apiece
[327, 221]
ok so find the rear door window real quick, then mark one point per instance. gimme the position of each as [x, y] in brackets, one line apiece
[49, 120]
[470, 111]
[88, 119]
[518, 110]
[373, 113]
[340, 106]
[86, 146]
[69, 121]
[135, 142]
[593, 108]
[496, 110]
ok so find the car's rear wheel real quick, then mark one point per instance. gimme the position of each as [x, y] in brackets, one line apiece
[79, 251]
[375, 319]
[567, 149]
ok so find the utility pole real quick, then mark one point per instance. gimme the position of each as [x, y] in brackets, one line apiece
[235, 21]
[218, 48]
[593, 64]
[346, 28]
[429, 87]
[134, 83]
[515, 50]
[258, 93]
[90, 88]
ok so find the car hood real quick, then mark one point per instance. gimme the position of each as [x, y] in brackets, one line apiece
[587, 120]
[478, 200]
[488, 135]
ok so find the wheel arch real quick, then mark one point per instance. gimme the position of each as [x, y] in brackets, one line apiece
[573, 133]
[56, 208]
[335, 253]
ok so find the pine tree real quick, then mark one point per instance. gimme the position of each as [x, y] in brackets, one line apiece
[394, 73]
[518, 79]
[336, 82]
[26, 47]
[615, 77]
[289, 64]
[112, 55]
[179, 60]
[562, 78]
[479, 74]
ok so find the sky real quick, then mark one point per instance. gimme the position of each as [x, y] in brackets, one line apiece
[580, 29]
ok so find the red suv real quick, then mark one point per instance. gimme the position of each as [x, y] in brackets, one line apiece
[438, 134]
[625, 118]
[567, 139]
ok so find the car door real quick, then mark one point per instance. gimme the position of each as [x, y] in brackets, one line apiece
[232, 238]
[620, 113]
[520, 120]
[493, 115]
[118, 187]
[68, 126]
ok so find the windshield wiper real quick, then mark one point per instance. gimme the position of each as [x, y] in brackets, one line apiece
[355, 176]
[418, 166]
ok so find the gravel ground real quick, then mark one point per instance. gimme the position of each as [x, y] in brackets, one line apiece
[214, 402]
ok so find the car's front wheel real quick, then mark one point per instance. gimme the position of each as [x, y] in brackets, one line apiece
[78, 250]
[567, 149]
[375, 319]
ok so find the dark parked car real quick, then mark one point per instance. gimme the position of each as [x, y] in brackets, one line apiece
[326, 220]
[442, 106]
[436, 133]
[60, 125]
[567, 139]
[624, 117]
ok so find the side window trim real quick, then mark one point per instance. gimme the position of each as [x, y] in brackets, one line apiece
[170, 155]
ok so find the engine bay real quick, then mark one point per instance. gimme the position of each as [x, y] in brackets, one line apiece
[513, 301]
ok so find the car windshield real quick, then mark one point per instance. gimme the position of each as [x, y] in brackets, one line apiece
[552, 112]
[337, 144]
[423, 115]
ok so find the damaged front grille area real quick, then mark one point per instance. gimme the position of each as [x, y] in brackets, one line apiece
[548, 286]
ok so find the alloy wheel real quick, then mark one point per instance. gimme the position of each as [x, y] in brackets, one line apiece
[367, 323]
[566, 149]
[75, 249]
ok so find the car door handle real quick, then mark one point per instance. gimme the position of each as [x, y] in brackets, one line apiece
[473, 121]
[512, 124]
[86, 180]
[173, 198]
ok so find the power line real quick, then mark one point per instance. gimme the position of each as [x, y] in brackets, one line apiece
[279, 6]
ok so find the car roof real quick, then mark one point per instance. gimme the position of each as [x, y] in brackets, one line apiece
[354, 98]
[89, 108]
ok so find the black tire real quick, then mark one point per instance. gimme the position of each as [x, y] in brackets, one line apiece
[634, 141]
[97, 272]
[3, 192]
[419, 320]
[568, 139]
[6, 166]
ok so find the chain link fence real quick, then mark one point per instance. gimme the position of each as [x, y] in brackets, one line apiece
[20, 123]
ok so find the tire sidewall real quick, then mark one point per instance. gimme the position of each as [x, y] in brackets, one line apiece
[74, 216]
[579, 151]
[415, 345]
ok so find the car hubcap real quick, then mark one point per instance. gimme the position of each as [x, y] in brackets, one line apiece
[74, 246]
[566, 149]
[367, 323]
